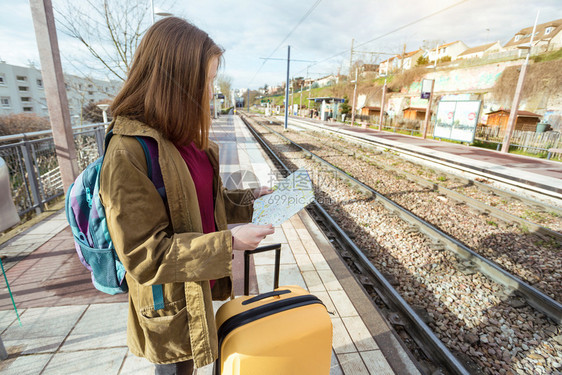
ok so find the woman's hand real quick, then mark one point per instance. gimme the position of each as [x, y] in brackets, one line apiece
[264, 190]
[249, 236]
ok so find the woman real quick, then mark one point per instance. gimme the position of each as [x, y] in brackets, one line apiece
[180, 242]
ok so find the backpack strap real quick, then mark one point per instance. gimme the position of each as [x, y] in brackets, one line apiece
[154, 173]
[150, 149]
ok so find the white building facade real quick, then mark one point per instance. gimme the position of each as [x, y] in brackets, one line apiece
[22, 91]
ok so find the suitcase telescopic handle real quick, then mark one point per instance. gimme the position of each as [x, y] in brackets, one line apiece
[261, 249]
[266, 295]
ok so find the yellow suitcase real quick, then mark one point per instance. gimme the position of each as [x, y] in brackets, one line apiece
[284, 332]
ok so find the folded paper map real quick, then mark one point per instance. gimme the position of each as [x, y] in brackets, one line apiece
[290, 195]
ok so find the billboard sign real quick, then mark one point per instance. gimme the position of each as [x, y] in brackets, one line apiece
[457, 120]
[426, 88]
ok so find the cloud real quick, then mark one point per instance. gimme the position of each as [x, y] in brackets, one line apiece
[249, 30]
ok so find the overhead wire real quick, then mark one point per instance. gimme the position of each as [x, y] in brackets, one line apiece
[395, 30]
[303, 18]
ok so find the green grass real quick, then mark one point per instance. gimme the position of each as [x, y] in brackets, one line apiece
[555, 55]
[532, 215]
[442, 178]
[492, 223]
[488, 145]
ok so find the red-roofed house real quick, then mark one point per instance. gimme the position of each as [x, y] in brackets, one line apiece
[479, 51]
[452, 49]
[386, 66]
[548, 35]
[398, 62]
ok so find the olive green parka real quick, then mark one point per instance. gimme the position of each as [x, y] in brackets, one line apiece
[164, 244]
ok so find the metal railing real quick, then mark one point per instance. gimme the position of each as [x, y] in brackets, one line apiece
[34, 171]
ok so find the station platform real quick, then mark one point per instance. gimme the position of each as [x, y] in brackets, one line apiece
[68, 327]
[544, 176]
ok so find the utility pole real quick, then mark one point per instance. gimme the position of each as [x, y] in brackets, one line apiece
[300, 91]
[287, 87]
[354, 95]
[517, 97]
[428, 110]
[402, 59]
[55, 90]
[381, 118]
[292, 94]
[351, 58]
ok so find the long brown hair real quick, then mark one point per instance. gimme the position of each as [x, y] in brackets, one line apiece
[167, 84]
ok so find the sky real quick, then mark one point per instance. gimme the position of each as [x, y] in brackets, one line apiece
[250, 31]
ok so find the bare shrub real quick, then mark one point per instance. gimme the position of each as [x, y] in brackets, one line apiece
[541, 78]
[22, 123]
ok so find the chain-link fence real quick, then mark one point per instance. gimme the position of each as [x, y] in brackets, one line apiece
[35, 177]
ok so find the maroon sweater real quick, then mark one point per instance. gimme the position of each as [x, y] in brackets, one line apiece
[201, 172]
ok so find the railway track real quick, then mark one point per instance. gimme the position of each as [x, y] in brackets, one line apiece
[480, 181]
[523, 248]
[436, 241]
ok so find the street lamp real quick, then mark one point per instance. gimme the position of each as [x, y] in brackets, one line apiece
[104, 108]
[158, 12]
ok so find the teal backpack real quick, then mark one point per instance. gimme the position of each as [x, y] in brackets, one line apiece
[86, 217]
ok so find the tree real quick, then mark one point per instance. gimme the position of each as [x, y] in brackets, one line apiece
[110, 30]
[345, 108]
[225, 84]
[422, 61]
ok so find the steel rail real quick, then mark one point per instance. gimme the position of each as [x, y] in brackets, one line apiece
[496, 212]
[474, 203]
[432, 346]
[449, 164]
[493, 271]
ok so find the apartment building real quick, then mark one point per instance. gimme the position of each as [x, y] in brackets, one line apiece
[22, 91]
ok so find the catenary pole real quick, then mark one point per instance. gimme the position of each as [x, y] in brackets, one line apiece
[428, 110]
[517, 97]
[287, 87]
[351, 58]
[381, 117]
[354, 95]
[55, 90]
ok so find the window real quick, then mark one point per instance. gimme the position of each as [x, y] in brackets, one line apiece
[28, 109]
[90, 93]
[517, 37]
[40, 83]
[548, 30]
[26, 99]
[2, 79]
[5, 102]
[23, 88]
[21, 78]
